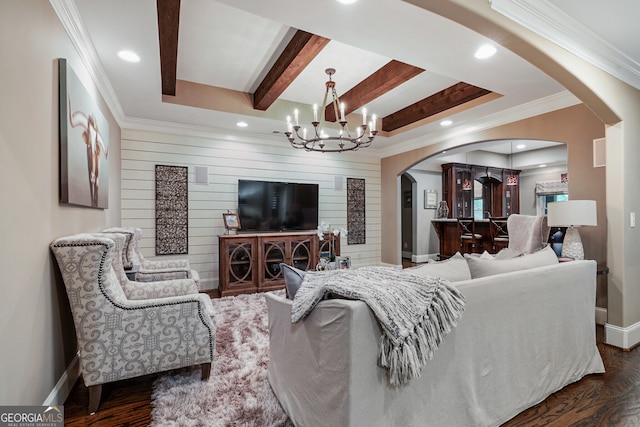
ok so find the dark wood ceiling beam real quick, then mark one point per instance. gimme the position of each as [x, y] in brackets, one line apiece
[302, 48]
[390, 76]
[448, 98]
[168, 23]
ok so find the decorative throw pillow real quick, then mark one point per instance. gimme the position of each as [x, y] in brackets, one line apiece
[486, 255]
[454, 269]
[507, 253]
[487, 267]
[292, 279]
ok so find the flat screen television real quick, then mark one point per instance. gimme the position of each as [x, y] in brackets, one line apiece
[277, 206]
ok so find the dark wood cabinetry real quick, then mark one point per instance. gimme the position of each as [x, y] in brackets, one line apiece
[237, 265]
[480, 191]
[251, 262]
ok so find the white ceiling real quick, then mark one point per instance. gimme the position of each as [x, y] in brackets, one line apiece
[232, 43]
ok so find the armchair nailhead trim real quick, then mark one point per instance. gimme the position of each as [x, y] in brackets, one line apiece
[101, 276]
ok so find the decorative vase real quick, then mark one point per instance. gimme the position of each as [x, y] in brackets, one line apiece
[443, 210]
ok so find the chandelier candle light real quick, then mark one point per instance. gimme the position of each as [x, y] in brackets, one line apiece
[320, 140]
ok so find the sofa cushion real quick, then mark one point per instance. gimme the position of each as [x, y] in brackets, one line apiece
[505, 253]
[454, 269]
[480, 267]
[508, 253]
[292, 279]
[485, 255]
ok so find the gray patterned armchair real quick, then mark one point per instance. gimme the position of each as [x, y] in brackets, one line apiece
[120, 338]
[137, 290]
[151, 270]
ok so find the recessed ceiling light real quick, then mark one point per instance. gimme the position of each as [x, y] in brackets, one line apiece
[542, 166]
[446, 123]
[485, 51]
[129, 56]
[242, 124]
[347, 1]
[521, 146]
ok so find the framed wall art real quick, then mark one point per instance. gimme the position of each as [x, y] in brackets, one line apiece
[430, 199]
[356, 214]
[172, 210]
[84, 144]
[231, 221]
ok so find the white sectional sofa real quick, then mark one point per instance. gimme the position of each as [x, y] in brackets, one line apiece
[524, 335]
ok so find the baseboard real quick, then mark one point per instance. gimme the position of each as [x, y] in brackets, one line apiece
[625, 338]
[423, 258]
[601, 316]
[64, 385]
[209, 284]
[386, 264]
[406, 254]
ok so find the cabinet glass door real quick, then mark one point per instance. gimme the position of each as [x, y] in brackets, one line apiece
[301, 255]
[464, 193]
[274, 254]
[240, 263]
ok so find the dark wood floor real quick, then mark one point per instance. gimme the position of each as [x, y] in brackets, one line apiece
[610, 399]
[406, 263]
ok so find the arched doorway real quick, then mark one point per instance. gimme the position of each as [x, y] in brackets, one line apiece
[536, 160]
[407, 216]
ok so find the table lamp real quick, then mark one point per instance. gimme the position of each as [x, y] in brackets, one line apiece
[572, 214]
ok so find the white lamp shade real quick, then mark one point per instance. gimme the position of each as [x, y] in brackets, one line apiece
[572, 213]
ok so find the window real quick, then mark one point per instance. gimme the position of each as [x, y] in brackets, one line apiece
[544, 200]
[550, 191]
[478, 210]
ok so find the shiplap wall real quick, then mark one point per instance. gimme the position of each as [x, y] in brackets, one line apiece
[230, 160]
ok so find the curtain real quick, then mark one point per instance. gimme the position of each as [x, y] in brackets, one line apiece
[549, 188]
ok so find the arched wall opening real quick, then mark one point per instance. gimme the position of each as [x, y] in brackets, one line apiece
[617, 105]
[535, 161]
[576, 126]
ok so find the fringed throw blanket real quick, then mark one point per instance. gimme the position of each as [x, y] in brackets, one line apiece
[414, 312]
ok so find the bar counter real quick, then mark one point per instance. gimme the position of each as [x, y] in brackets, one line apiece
[447, 230]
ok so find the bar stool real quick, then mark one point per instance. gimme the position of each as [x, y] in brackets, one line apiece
[470, 241]
[499, 233]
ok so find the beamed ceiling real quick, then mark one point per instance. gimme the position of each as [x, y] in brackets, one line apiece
[298, 53]
[207, 64]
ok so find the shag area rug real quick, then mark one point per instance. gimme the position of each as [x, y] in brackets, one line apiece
[237, 393]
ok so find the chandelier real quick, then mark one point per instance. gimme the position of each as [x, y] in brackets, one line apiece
[320, 140]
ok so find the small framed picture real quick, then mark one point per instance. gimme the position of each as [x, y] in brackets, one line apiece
[430, 199]
[231, 221]
[343, 262]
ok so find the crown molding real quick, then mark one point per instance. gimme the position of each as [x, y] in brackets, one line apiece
[550, 22]
[544, 105]
[205, 132]
[72, 22]
[550, 103]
